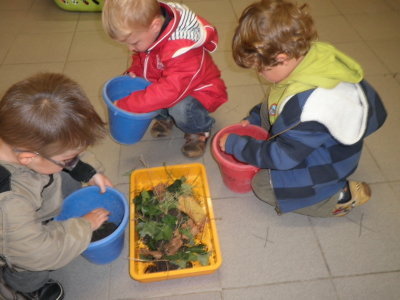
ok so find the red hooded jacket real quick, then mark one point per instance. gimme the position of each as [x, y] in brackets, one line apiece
[178, 64]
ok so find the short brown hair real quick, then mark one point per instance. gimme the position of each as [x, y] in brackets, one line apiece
[48, 113]
[271, 27]
[121, 17]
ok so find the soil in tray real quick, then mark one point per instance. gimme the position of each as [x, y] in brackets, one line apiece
[105, 230]
[162, 266]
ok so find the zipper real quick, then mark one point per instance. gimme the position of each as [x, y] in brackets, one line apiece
[146, 59]
[277, 208]
[282, 132]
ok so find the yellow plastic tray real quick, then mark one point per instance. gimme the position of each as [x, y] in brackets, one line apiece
[145, 179]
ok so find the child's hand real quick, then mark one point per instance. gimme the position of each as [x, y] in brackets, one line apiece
[101, 181]
[244, 123]
[222, 141]
[97, 217]
[131, 74]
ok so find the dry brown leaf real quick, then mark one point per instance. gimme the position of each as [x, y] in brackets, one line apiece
[192, 208]
[173, 245]
[155, 254]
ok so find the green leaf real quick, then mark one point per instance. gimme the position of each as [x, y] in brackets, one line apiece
[149, 228]
[203, 258]
[175, 187]
[164, 232]
[180, 263]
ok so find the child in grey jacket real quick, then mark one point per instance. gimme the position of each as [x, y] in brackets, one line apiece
[46, 122]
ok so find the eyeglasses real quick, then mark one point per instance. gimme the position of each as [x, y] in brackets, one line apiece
[67, 164]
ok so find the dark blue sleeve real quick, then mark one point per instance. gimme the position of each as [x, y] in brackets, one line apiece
[82, 172]
[284, 152]
[254, 115]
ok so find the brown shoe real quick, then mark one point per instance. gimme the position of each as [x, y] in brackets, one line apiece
[195, 145]
[360, 194]
[161, 128]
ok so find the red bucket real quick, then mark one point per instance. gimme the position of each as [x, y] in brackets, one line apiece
[236, 175]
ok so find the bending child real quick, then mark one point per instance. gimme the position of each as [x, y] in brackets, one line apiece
[318, 112]
[46, 122]
[171, 48]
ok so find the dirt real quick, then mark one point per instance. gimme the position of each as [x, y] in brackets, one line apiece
[162, 266]
[105, 230]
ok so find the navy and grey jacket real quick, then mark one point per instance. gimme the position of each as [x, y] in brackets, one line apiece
[315, 143]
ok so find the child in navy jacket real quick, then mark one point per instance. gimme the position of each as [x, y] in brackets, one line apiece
[318, 112]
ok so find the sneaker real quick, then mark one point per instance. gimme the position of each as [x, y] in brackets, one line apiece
[52, 290]
[195, 145]
[360, 193]
[161, 128]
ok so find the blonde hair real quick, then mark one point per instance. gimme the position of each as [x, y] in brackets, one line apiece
[271, 27]
[121, 17]
[48, 113]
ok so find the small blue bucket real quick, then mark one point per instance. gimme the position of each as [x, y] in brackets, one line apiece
[83, 201]
[126, 127]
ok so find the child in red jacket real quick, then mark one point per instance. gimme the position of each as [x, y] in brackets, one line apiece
[171, 48]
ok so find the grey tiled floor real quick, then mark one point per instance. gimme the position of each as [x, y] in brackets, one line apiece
[355, 257]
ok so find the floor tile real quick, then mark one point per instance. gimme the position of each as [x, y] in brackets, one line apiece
[49, 18]
[302, 290]
[199, 296]
[225, 35]
[43, 47]
[16, 5]
[11, 21]
[241, 100]
[364, 6]
[366, 240]
[369, 287]
[10, 74]
[383, 144]
[257, 242]
[239, 6]
[387, 51]
[214, 16]
[335, 29]
[82, 279]
[233, 74]
[321, 8]
[94, 45]
[365, 25]
[93, 74]
[371, 62]
[265, 256]
[6, 41]
[90, 22]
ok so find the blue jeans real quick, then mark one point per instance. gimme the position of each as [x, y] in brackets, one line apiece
[189, 115]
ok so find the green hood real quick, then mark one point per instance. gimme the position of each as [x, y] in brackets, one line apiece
[323, 66]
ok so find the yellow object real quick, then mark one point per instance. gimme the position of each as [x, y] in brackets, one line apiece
[147, 179]
[192, 208]
[80, 5]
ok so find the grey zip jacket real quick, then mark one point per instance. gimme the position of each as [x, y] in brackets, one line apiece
[28, 240]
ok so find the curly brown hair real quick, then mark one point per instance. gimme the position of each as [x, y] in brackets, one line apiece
[271, 27]
[48, 113]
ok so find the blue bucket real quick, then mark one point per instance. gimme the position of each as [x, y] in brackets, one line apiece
[83, 201]
[126, 127]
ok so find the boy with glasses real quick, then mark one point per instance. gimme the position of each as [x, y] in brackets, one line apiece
[46, 122]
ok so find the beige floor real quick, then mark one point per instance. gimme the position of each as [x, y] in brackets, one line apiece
[265, 256]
